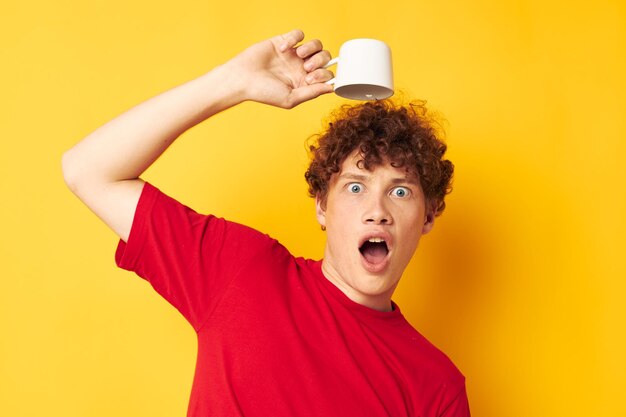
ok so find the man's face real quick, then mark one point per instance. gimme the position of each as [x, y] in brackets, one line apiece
[374, 221]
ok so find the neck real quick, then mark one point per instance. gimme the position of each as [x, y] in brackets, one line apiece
[380, 302]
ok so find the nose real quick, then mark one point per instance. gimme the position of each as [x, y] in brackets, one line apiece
[376, 211]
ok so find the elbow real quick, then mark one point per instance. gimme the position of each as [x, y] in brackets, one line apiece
[70, 175]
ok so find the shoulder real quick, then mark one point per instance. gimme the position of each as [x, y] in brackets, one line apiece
[166, 221]
[427, 359]
[157, 204]
[436, 383]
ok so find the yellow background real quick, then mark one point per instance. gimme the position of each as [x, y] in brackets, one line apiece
[521, 282]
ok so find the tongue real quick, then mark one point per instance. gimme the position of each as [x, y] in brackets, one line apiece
[374, 253]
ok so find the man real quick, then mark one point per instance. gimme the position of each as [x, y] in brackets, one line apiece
[279, 335]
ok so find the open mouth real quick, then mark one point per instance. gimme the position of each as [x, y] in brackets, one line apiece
[374, 250]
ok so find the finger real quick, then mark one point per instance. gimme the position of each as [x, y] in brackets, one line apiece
[308, 92]
[309, 48]
[290, 39]
[317, 61]
[320, 75]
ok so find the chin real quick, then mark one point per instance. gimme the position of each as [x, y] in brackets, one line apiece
[377, 285]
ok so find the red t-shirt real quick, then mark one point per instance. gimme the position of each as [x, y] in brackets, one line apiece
[275, 337]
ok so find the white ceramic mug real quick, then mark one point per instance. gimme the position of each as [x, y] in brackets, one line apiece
[364, 70]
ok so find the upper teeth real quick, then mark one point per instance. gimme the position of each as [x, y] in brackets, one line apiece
[375, 240]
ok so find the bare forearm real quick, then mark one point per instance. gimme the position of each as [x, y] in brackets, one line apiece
[103, 169]
[125, 147]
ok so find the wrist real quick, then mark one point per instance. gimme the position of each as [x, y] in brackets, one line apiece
[218, 90]
[233, 82]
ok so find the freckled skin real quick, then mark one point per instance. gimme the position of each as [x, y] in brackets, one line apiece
[361, 204]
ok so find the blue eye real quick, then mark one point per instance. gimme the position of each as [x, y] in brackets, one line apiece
[355, 188]
[400, 192]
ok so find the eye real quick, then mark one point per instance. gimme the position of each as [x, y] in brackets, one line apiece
[400, 192]
[355, 187]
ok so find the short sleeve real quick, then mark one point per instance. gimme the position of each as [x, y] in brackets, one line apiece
[189, 258]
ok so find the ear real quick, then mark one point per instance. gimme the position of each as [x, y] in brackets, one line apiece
[429, 218]
[320, 212]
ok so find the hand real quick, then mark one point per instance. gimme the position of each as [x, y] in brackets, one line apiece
[279, 73]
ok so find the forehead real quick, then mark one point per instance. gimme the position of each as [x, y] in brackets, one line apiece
[354, 165]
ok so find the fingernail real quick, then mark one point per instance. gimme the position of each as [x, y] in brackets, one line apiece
[283, 47]
[309, 79]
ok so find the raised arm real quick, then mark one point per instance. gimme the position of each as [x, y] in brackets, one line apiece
[103, 169]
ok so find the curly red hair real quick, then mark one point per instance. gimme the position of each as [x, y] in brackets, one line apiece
[382, 131]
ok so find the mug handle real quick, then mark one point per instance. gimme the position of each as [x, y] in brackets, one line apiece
[330, 64]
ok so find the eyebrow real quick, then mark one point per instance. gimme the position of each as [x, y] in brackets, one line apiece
[360, 177]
